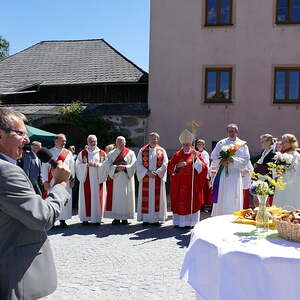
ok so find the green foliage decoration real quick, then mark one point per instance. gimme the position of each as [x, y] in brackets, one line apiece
[90, 123]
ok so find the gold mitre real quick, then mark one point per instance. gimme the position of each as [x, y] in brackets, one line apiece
[186, 137]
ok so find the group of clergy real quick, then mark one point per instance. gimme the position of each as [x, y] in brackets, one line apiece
[107, 184]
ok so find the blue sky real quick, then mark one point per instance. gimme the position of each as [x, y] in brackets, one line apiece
[122, 23]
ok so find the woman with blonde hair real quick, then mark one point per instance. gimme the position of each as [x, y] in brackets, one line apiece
[109, 148]
[290, 195]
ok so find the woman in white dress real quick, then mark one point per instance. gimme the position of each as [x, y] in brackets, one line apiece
[291, 194]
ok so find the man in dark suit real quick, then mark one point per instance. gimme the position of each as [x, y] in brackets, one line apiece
[27, 269]
[32, 166]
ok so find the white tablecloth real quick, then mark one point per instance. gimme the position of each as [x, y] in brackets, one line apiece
[227, 261]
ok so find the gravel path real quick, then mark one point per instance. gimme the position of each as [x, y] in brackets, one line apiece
[119, 262]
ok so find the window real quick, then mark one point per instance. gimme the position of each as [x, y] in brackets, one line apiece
[288, 12]
[218, 12]
[218, 85]
[287, 85]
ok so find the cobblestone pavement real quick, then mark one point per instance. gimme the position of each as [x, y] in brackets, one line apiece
[119, 262]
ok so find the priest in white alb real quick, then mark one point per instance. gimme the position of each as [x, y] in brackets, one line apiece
[151, 168]
[120, 201]
[227, 194]
[91, 173]
[60, 153]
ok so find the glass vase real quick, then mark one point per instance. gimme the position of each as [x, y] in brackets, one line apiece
[262, 217]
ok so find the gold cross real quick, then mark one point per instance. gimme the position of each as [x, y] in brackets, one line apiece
[194, 125]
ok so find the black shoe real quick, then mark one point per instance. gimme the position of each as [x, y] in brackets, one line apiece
[124, 222]
[176, 226]
[97, 223]
[146, 223]
[155, 224]
[84, 223]
[63, 224]
[189, 227]
[115, 222]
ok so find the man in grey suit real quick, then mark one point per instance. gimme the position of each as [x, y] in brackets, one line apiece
[32, 166]
[27, 269]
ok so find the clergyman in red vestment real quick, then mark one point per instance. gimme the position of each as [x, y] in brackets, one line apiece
[188, 172]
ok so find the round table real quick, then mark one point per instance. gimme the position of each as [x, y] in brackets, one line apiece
[228, 261]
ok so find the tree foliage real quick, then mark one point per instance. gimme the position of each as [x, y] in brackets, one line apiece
[88, 123]
[4, 47]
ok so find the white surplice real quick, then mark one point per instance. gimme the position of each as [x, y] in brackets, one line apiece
[290, 195]
[141, 171]
[66, 213]
[97, 175]
[230, 197]
[123, 199]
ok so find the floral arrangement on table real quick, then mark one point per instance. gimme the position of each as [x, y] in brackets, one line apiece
[282, 162]
[264, 186]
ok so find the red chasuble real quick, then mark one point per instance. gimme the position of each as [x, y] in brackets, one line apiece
[120, 160]
[145, 192]
[181, 183]
[87, 185]
[62, 156]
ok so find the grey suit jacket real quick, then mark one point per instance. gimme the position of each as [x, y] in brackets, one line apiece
[27, 269]
[31, 168]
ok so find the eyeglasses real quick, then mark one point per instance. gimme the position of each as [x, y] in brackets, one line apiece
[18, 132]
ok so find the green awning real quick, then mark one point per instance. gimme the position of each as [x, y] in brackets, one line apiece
[45, 137]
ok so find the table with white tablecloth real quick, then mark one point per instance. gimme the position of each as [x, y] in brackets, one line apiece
[228, 261]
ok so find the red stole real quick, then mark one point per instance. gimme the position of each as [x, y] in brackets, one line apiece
[62, 156]
[287, 150]
[87, 185]
[110, 182]
[181, 183]
[146, 179]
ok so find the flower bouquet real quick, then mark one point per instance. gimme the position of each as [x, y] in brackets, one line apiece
[262, 187]
[282, 162]
[228, 151]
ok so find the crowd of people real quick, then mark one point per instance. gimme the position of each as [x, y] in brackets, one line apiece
[107, 178]
[31, 200]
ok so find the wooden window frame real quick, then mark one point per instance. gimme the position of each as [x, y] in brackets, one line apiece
[287, 77]
[288, 15]
[219, 14]
[218, 82]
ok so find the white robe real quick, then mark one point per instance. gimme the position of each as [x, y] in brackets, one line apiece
[123, 199]
[291, 194]
[205, 156]
[97, 175]
[230, 197]
[66, 213]
[246, 175]
[152, 216]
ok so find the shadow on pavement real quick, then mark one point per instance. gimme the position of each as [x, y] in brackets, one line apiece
[146, 234]
[151, 234]
[99, 231]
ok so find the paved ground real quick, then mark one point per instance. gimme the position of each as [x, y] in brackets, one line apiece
[119, 262]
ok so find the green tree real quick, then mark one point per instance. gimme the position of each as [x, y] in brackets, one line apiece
[4, 47]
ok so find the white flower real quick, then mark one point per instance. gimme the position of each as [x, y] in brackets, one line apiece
[278, 156]
[225, 148]
[287, 158]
